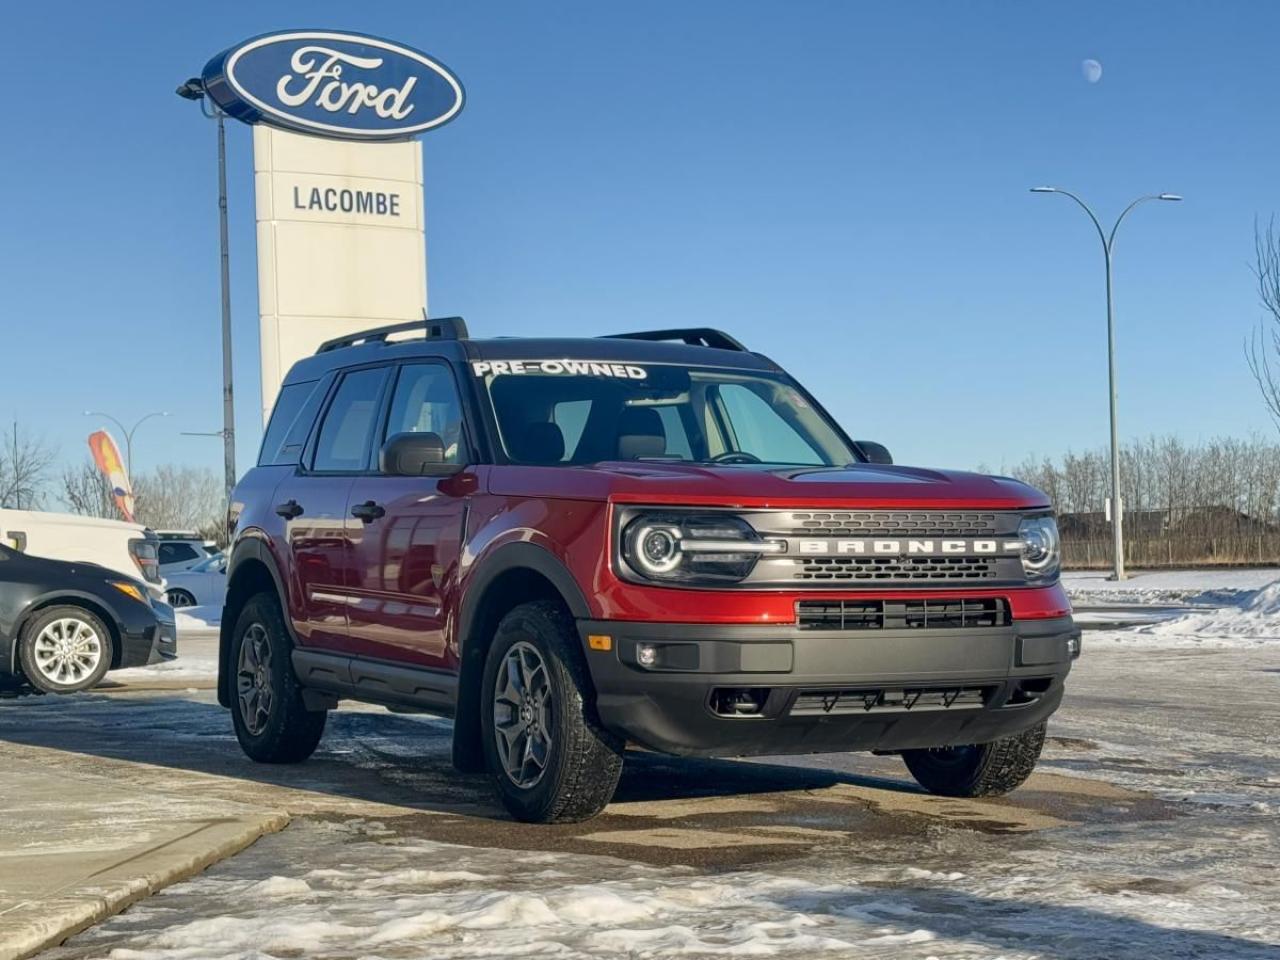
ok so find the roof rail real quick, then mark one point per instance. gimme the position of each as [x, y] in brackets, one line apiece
[443, 328]
[694, 336]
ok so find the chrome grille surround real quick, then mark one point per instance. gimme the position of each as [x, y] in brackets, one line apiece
[859, 549]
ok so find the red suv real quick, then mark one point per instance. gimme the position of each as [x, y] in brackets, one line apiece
[656, 538]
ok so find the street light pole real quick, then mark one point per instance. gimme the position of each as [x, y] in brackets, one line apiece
[193, 89]
[1108, 246]
[128, 433]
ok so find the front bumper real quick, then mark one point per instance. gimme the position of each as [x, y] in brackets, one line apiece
[147, 639]
[820, 691]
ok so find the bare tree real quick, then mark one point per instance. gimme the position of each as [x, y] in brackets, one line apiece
[1215, 502]
[86, 491]
[25, 462]
[180, 498]
[1262, 349]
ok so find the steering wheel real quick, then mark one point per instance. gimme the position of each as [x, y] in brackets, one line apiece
[736, 456]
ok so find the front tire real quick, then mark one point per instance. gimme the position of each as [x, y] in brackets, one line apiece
[271, 720]
[983, 770]
[65, 649]
[547, 756]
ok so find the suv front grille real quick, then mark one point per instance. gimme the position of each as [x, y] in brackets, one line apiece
[897, 568]
[889, 700]
[933, 614]
[894, 524]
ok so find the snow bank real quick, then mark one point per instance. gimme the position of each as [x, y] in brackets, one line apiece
[1252, 622]
[197, 620]
[1210, 587]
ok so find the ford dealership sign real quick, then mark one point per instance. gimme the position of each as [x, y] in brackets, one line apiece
[329, 84]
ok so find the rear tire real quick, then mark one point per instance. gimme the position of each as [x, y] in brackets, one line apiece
[65, 649]
[271, 720]
[548, 757]
[984, 770]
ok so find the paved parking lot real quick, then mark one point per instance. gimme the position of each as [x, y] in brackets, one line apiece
[1150, 832]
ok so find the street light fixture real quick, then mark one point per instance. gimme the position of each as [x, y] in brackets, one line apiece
[1108, 245]
[193, 89]
[128, 433]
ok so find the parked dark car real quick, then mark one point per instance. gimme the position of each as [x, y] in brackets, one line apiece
[658, 539]
[64, 625]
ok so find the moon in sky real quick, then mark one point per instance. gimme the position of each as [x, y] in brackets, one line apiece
[1092, 70]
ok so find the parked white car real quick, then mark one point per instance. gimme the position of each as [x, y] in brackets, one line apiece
[181, 550]
[127, 548]
[204, 585]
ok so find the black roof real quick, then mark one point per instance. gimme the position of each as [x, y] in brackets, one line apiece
[616, 349]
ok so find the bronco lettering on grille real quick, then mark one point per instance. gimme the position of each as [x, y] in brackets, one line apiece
[864, 546]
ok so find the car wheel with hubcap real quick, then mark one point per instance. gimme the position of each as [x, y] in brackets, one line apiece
[271, 719]
[547, 755]
[980, 770]
[65, 649]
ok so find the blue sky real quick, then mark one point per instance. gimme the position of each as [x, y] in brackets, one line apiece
[841, 185]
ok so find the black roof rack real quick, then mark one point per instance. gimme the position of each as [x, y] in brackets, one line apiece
[443, 328]
[694, 336]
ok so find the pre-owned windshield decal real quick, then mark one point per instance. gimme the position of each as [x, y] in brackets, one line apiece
[568, 368]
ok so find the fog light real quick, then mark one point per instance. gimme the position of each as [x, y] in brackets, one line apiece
[646, 655]
[1073, 646]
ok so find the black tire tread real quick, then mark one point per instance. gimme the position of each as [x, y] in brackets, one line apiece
[1001, 767]
[294, 733]
[588, 774]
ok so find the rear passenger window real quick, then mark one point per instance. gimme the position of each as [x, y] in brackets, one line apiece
[290, 423]
[345, 435]
[176, 553]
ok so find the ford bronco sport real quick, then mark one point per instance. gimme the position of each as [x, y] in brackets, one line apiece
[657, 539]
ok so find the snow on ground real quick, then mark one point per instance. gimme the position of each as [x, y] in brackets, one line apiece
[197, 620]
[197, 650]
[1097, 893]
[1212, 586]
[1217, 608]
[1193, 726]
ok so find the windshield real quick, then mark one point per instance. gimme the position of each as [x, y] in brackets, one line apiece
[214, 564]
[572, 412]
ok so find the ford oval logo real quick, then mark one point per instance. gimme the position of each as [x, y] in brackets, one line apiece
[343, 85]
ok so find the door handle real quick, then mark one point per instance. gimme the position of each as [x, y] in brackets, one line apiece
[368, 511]
[290, 509]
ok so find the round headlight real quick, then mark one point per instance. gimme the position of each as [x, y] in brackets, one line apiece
[656, 547]
[1041, 547]
[1035, 544]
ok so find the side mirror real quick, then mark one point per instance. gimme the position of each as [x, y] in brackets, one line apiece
[874, 452]
[415, 455]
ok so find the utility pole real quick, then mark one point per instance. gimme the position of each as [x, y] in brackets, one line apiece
[228, 390]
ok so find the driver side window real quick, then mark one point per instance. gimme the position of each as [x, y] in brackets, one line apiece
[426, 401]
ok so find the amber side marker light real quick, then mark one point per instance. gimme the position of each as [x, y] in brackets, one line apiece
[599, 641]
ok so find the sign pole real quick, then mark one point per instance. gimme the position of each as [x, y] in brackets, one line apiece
[228, 395]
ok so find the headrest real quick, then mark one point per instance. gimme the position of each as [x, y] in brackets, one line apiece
[537, 443]
[640, 434]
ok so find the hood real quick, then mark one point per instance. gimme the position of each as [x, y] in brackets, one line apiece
[863, 486]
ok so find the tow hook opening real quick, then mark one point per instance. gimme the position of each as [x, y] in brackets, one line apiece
[1029, 691]
[739, 701]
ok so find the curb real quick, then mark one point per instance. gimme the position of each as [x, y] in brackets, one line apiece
[33, 926]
